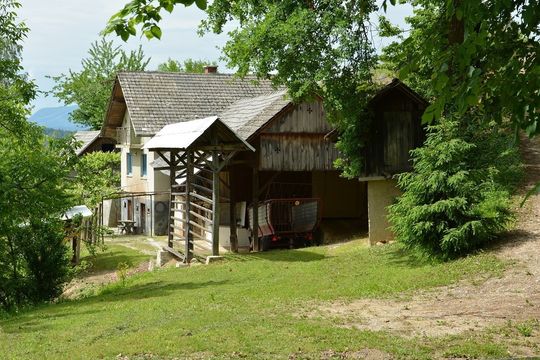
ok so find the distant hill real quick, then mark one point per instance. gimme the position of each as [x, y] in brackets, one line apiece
[56, 118]
[58, 134]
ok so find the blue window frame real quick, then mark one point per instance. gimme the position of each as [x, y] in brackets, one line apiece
[144, 166]
[129, 164]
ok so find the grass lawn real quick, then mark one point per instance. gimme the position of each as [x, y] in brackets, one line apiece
[113, 255]
[247, 306]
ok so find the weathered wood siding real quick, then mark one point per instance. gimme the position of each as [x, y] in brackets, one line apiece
[295, 141]
[115, 112]
[305, 118]
[396, 130]
[293, 152]
[399, 140]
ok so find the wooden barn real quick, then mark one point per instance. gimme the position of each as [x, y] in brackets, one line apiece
[290, 159]
[288, 154]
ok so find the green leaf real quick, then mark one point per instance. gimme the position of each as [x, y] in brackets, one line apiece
[459, 14]
[169, 7]
[442, 80]
[201, 4]
[131, 29]
[444, 67]
[535, 190]
[404, 71]
[429, 114]
[531, 129]
[156, 31]
[124, 35]
[148, 34]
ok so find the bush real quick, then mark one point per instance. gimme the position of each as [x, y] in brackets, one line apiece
[458, 196]
[37, 263]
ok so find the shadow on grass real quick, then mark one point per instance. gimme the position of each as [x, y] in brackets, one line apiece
[116, 292]
[511, 239]
[401, 257]
[109, 260]
[36, 320]
[31, 322]
[288, 255]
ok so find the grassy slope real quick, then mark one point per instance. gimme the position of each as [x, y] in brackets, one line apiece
[113, 255]
[247, 305]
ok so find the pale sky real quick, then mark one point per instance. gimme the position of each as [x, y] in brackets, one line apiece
[61, 32]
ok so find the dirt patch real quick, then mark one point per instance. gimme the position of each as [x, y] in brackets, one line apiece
[369, 354]
[82, 284]
[461, 307]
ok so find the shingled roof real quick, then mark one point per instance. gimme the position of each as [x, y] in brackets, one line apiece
[156, 99]
[247, 116]
[85, 138]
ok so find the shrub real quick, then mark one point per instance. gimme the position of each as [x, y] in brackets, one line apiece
[37, 264]
[457, 198]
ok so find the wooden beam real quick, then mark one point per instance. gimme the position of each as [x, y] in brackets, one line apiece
[255, 205]
[174, 252]
[233, 239]
[194, 224]
[200, 197]
[201, 217]
[172, 204]
[200, 207]
[202, 159]
[189, 175]
[215, 204]
[202, 188]
[167, 161]
[222, 148]
[202, 178]
[226, 160]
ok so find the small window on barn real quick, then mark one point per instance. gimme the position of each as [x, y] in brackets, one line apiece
[129, 163]
[144, 166]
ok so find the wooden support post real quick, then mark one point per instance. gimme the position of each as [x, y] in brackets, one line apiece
[189, 179]
[233, 240]
[172, 178]
[102, 221]
[255, 204]
[215, 203]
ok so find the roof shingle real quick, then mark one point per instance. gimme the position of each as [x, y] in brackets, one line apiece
[156, 99]
[247, 116]
[86, 138]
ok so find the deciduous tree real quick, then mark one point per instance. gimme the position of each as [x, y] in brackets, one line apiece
[34, 174]
[91, 87]
[187, 66]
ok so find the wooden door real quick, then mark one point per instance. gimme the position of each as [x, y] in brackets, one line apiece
[143, 219]
[129, 210]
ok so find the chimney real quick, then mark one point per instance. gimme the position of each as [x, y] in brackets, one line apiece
[210, 69]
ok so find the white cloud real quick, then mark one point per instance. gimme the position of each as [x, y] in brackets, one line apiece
[61, 32]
